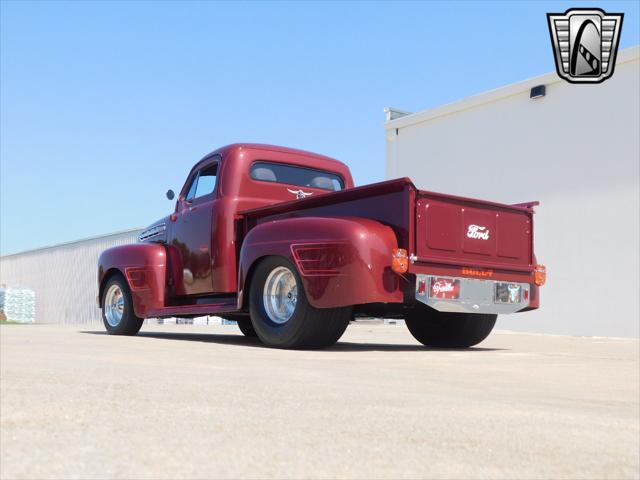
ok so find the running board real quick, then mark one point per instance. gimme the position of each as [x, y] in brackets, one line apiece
[194, 310]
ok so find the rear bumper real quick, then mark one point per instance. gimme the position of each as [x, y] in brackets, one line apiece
[471, 295]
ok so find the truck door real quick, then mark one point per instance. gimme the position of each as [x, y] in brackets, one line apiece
[192, 232]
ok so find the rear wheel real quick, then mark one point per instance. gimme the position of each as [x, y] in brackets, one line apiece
[449, 330]
[117, 308]
[281, 315]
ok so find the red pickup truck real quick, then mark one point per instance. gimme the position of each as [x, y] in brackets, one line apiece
[281, 241]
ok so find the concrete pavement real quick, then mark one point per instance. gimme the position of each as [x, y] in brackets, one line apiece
[204, 402]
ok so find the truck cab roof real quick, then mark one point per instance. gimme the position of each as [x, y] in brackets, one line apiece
[296, 156]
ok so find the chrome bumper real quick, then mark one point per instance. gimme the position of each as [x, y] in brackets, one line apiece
[476, 296]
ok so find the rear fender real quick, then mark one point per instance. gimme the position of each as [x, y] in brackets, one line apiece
[341, 261]
[143, 265]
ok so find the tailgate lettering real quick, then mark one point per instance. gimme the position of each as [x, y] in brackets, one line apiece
[478, 231]
[477, 273]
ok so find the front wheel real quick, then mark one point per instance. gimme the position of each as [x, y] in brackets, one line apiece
[281, 315]
[448, 330]
[244, 324]
[117, 308]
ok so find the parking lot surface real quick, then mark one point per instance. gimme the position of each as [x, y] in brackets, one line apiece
[205, 402]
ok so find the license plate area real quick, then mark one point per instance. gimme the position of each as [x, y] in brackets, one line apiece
[444, 287]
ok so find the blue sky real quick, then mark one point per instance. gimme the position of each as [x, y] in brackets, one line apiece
[106, 105]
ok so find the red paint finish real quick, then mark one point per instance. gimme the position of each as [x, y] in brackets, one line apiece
[452, 230]
[341, 242]
[190, 235]
[360, 270]
[144, 267]
[237, 191]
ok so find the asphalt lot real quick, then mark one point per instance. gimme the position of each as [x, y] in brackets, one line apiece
[204, 402]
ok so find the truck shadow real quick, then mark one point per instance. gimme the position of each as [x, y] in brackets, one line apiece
[241, 340]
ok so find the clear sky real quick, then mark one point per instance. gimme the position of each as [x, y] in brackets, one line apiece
[106, 105]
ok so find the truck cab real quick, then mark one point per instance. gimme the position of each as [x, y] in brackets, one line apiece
[202, 230]
[283, 242]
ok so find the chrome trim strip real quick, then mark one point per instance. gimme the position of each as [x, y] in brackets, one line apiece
[152, 232]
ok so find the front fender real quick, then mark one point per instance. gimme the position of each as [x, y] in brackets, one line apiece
[342, 261]
[143, 265]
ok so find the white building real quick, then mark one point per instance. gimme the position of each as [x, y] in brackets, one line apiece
[577, 150]
[64, 277]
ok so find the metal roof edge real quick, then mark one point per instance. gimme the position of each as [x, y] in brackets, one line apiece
[624, 56]
[71, 242]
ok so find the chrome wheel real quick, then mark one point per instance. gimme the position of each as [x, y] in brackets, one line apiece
[280, 295]
[114, 305]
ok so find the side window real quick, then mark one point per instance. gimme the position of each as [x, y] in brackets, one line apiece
[203, 183]
[192, 189]
[206, 183]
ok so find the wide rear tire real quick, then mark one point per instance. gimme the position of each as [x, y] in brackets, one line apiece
[117, 308]
[281, 315]
[448, 330]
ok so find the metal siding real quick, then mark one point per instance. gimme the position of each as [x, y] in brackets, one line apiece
[64, 277]
[576, 150]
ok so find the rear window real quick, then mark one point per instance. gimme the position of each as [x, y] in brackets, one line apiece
[292, 175]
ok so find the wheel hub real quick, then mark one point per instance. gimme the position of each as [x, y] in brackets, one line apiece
[280, 295]
[114, 305]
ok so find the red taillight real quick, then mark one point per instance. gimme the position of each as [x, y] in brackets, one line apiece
[540, 275]
[399, 260]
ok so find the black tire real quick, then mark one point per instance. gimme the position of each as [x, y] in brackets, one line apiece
[308, 327]
[129, 324]
[244, 324]
[449, 330]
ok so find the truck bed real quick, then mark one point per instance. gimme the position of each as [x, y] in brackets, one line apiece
[434, 228]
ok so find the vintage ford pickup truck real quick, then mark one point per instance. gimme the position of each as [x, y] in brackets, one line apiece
[281, 241]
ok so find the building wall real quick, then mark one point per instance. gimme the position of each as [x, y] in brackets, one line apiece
[64, 277]
[577, 150]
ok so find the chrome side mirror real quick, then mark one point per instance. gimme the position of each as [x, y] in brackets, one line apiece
[170, 194]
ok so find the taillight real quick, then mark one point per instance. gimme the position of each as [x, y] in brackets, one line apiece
[399, 260]
[422, 286]
[540, 275]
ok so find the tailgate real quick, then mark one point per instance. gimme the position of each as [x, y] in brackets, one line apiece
[466, 232]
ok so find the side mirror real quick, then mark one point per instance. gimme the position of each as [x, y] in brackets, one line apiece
[170, 194]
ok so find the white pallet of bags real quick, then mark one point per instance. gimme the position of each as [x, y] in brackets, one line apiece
[18, 304]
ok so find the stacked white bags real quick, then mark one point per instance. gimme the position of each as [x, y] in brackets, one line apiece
[18, 304]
